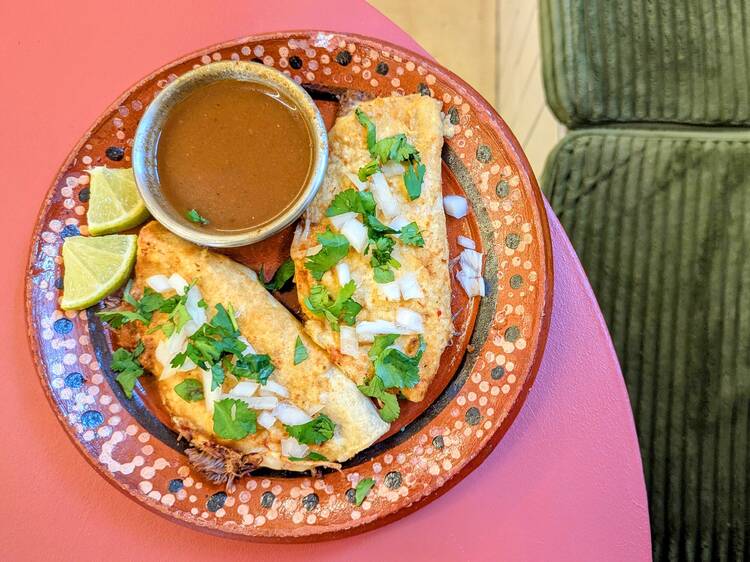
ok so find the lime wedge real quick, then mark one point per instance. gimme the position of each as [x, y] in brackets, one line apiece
[95, 267]
[114, 202]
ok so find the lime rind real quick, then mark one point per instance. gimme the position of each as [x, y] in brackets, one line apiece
[95, 267]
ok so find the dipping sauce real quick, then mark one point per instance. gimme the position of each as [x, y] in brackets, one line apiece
[239, 153]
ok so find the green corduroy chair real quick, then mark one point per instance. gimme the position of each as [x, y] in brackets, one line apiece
[652, 184]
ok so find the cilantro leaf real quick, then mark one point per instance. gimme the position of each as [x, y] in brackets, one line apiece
[150, 302]
[410, 234]
[396, 369]
[316, 431]
[194, 216]
[381, 260]
[372, 167]
[395, 148]
[367, 124]
[253, 366]
[389, 410]
[281, 280]
[379, 345]
[190, 390]
[335, 247]
[311, 456]
[300, 351]
[377, 229]
[126, 364]
[233, 419]
[413, 177]
[341, 309]
[363, 488]
[351, 201]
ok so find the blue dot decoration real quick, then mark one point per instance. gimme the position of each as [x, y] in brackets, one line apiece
[216, 502]
[74, 380]
[63, 326]
[175, 485]
[69, 230]
[91, 419]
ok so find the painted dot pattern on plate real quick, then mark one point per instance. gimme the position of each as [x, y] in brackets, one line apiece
[409, 470]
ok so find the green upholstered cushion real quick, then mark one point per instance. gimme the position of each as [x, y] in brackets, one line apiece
[661, 222]
[684, 61]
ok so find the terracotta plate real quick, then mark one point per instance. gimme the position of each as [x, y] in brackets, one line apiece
[485, 374]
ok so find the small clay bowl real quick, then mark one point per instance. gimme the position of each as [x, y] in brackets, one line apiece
[154, 118]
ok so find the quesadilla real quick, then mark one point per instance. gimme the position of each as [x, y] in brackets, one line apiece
[236, 372]
[371, 253]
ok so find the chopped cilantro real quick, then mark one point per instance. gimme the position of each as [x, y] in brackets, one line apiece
[381, 260]
[216, 347]
[150, 302]
[367, 124]
[411, 235]
[335, 247]
[190, 390]
[341, 309]
[393, 366]
[194, 216]
[413, 177]
[396, 148]
[281, 280]
[372, 167]
[363, 488]
[311, 456]
[300, 351]
[233, 419]
[352, 201]
[126, 364]
[316, 431]
[389, 409]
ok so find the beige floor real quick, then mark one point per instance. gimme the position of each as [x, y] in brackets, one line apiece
[493, 45]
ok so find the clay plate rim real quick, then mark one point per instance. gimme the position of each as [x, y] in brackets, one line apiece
[524, 168]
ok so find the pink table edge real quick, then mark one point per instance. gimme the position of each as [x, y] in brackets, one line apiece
[582, 496]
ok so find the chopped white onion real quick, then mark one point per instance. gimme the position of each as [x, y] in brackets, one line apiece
[410, 321]
[290, 447]
[266, 419]
[381, 192]
[409, 285]
[390, 291]
[290, 415]
[159, 283]
[178, 283]
[244, 388]
[167, 349]
[349, 345]
[368, 329]
[472, 285]
[197, 313]
[471, 262]
[356, 233]
[340, 220]
[399, 222]
[354, 178]
[259, 402]
[276, 388]
[392, 168]
[209, 396]
[313, 250]
[343, 273]
[455, 206]
[249, 349]
[466, 242]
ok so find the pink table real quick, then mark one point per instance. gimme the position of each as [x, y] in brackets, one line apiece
[582, 495]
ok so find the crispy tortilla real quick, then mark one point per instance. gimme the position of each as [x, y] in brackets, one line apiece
[419, 118]
[272, 330]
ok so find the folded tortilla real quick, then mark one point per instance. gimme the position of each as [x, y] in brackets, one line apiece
[419, 118]
[314, 385]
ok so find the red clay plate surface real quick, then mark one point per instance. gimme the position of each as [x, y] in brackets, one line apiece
[484, 376]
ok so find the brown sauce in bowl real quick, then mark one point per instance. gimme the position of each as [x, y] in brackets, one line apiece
[239, 153]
